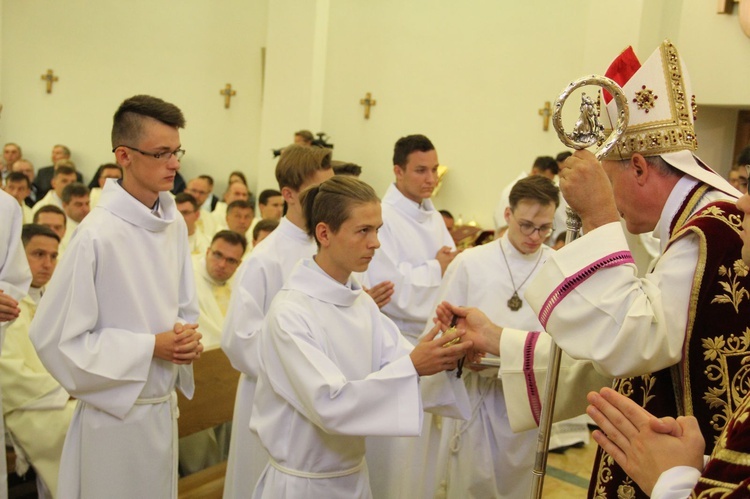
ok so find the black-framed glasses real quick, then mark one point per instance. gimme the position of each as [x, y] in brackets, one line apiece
[528, 229]
[220, 256]
[177, 153]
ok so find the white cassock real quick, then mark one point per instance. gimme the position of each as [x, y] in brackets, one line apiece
[94, 195]
[410, 238]
[213, 301]
[207, 225]
[333, 369]
[28, 215]
[127, 277]
[70, 228]
[50, 198]
[627, 310]
[37, 410]
[198, 243]
[257, 281]
[15, 278]
[483, 457]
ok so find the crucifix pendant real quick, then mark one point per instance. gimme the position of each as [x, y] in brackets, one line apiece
[515, 302]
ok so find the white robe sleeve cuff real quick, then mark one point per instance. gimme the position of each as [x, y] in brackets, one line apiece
[676, 483]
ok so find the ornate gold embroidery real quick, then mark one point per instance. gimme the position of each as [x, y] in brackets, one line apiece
[734, 293]
[645, 99]
[626, 490]
[730, 391]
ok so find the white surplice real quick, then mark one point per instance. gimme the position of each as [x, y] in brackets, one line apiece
[333, 369]
[127, 276]
[618, 308]
[15, 279]
[410, 238]
[257, 281]
[483, 457]
[37, 410]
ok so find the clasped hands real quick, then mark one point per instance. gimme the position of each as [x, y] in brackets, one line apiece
[180, 345]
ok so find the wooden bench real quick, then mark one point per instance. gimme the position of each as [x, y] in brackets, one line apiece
[213, 404]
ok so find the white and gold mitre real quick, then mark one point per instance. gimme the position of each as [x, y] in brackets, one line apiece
[662, 105]
[662, 113]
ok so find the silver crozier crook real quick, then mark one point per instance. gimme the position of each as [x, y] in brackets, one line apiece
[587, 132]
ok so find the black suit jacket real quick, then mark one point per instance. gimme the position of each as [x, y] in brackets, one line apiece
[43, 180]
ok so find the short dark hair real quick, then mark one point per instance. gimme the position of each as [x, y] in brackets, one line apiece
[266, 224]
[347, 169]
[184, 197]
[534, 188]
[207, 178]
[407, 145]
[546, 163]
[298, 163]
[18, 177]
[239, 204]
[29, 231]
[563, 156]
[446, 214]
[266, 195]
[128, 120]
[74, 190]
[744, 157]
[64, 170]
[231, 237]
[51, 208]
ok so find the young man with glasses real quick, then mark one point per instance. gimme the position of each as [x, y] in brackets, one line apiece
[485, 455]
[117, 326]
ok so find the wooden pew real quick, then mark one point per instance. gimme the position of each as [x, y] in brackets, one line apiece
[213, 404]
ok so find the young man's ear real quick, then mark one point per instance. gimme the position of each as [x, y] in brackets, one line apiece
[323, 234]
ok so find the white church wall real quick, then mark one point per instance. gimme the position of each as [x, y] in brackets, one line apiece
[104, 52]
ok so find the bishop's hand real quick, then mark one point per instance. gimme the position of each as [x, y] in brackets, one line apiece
[587, 190]
[477, 327]
[431, 355]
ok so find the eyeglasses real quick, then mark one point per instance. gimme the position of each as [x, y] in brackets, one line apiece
[220, 256]
[528, 229]
[177, 153]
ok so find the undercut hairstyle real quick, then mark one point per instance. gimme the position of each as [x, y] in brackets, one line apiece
[266, 195]
[409, 144]
[264, 225]
[74, 190]
[18, 177]
[208, 178]
[563, 156]
[184, 197]
[51, 208]
[127, 124]
[232, 238]
[332, 201]
[298, 163]
[238, 173]
[306, 135]
[29, 231]
[348, 169]
[239, 204]
[546, 164]
[535, 188]
[64, 148]
[64, 170]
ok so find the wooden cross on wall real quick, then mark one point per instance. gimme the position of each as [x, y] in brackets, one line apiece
[50, 78]
[228, 93]
[546, 112]
[368, 102]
